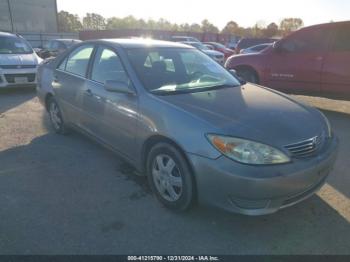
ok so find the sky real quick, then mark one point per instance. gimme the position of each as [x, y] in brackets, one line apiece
[245, 12]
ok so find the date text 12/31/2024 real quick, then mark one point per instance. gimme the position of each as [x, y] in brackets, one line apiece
[173, 258]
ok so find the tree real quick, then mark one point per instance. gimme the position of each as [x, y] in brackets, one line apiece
[271, 30]
[94, 21]
[184, 27]
[163, 24]
[68, 22]
[230, 28]
[257, 31]
[291, 24]
[195, 28]
[208, 27]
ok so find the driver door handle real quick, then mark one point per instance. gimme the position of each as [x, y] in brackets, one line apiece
[88, 92]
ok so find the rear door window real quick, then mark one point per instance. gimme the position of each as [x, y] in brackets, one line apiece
[342, 40]
[314, 40]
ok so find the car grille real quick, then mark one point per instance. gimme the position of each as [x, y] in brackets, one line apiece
[17, 66]
[306, 148]
[10, 78]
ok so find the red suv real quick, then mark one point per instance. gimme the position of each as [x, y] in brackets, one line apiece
[314, 60]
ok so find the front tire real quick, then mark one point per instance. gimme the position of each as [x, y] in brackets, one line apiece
[170, 177]
[56, 118]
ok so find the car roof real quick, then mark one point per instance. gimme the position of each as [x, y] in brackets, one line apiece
[141, 43]
[341, 23]
[8, 34]
[65, 40]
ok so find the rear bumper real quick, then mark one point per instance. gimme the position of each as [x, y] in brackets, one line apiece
[260, 190]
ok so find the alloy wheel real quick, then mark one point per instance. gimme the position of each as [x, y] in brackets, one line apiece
[167, 178]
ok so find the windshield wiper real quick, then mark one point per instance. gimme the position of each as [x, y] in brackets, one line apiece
[161, 91]
[168, 91]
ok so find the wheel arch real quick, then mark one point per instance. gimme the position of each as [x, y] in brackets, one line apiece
[48, 96]
[155, 139]
[250, 68]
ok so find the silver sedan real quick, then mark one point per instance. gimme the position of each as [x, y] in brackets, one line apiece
[197, 132]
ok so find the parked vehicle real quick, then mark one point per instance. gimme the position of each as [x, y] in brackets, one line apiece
[189, 125]
[18, 62]
[57, 46]
[255, 49]
[209, 46]
[184, 39]
[245, 43]
[217, 56]
[232, 45]
[313, 60]
[221, 48]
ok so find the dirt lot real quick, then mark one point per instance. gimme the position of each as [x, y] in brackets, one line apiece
[68, 195]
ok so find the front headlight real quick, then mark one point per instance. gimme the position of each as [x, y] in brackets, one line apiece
[329, 127]
[246, 151]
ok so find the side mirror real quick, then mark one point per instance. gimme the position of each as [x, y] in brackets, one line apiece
[277, 46]
[118, 87]
[240, 79]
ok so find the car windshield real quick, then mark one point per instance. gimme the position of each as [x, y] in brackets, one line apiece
[168, 70]
[220, 45]
[14, 45]
[259, 47]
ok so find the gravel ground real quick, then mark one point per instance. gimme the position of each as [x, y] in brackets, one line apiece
[68, 195]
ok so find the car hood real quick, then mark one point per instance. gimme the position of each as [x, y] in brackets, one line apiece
[252, 112]
[18, 59]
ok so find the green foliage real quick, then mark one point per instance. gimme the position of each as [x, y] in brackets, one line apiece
[231, 28]
[291, 24]
[68, 22]
[208, 27]
[92, 21]
[271, 30]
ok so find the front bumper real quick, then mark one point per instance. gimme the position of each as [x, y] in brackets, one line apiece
[260, 190]
[10, 78]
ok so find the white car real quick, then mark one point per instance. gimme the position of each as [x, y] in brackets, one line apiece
[215, 55]
[18, 62]
[184, 39]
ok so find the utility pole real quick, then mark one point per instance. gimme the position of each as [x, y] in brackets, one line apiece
[11, 18]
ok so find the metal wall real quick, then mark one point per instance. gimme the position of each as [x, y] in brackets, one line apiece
[28, 16]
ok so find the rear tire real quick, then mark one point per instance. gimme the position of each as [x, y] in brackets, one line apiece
[248, 75]
[56, 117]
[170, 177]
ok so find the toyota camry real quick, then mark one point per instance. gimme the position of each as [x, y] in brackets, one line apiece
[199, 133]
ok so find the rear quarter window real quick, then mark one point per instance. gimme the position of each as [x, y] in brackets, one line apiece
[342, 40]
[313, 40]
